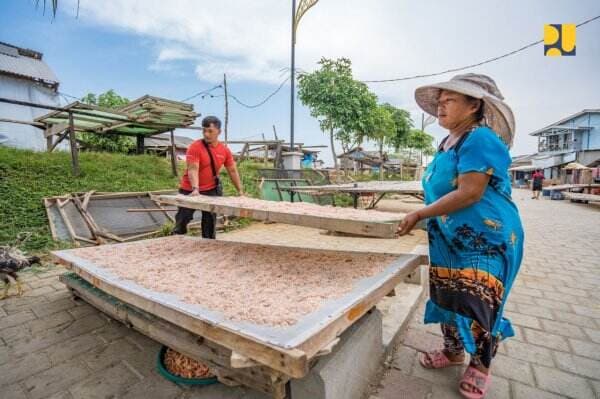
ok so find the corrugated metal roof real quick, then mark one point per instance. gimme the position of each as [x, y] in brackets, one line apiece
[164, 140]
[568, 118]
[27, 67]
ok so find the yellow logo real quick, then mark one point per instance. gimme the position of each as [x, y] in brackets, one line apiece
[559, 39]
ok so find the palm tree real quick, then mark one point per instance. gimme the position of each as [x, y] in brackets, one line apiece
[54, 4]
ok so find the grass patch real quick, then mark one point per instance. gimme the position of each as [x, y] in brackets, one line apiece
[26, 177]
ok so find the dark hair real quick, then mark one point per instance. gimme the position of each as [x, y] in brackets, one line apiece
[211, 120]
[479, 113]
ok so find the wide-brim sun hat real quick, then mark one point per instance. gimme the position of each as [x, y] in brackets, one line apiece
[496, 113]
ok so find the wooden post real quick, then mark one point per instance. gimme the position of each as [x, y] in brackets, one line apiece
[73, 143]
[49, 140]
[173, 155]
[278, 164]
[226, 105]
[266, 150]
[245, 149]
[139, 150]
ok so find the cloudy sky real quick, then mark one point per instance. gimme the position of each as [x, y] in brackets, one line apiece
[177, 48]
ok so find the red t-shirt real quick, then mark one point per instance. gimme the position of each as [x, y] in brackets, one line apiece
[196, 153]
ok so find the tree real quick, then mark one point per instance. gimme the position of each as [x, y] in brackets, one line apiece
[381, 130]
[403, 124]
[419, 140]
[107, 142]
[340, 103]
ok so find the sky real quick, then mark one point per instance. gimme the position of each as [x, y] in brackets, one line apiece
[177, 48]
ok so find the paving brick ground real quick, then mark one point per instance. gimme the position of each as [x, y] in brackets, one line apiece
[555, 306]
[54, 347]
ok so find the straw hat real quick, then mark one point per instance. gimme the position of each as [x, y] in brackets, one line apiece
[497, 114]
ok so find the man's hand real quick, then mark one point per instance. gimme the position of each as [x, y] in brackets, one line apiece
[408, 223]
[194, 193]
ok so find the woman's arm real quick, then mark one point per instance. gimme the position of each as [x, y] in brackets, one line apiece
[471, 187]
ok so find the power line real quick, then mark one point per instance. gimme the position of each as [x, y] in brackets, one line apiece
[201, 93]
[472, 65]
[263, 101]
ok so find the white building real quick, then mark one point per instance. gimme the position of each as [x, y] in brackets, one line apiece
[25, 77]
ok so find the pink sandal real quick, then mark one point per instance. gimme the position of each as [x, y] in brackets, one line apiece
[477, 381]
[436, 359]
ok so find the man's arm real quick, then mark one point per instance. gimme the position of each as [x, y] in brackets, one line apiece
[235, 178]
[193, 169]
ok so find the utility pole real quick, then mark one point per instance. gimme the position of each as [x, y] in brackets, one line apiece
[226, 105]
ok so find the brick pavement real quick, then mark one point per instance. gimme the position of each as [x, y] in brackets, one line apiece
[54, 347]
[554, 306]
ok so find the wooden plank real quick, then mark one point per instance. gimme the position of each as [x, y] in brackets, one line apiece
[51, 220]
[151, 210]
[360, 227]
[336, 327]
[143, 235]
[158, 204]
[582, 197]
[217, 357]
[73, 144]
[18, 122]
[56, 129]
[173, 155]
[292, 362]
[239, 361]
[68, 224]
[86, 199]
[87, 218]
[58, 141]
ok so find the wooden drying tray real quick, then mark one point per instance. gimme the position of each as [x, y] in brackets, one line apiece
[288, 350]
[362, 224]
[582, 197]
[400, 187]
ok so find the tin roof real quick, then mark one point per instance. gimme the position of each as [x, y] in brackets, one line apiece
[560, 123]
[25, 63]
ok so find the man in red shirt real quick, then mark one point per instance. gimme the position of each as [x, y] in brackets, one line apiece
[202, 175]
[537, 183]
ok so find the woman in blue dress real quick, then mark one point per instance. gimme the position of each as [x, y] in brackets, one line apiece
[474, 228]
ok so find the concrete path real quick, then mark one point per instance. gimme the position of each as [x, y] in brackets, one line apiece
[54, 347]
[555, 306]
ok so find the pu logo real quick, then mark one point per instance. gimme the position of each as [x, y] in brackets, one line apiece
[559, 39]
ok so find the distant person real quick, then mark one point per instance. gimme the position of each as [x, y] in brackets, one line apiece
[204, 159]
[537, 182]
[474, 227]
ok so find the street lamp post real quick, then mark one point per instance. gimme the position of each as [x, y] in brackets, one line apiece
[297, 14]
[293, 77]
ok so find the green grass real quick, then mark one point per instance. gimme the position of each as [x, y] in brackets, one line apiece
[26, 177]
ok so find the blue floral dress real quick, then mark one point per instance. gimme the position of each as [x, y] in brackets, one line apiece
[475, 252]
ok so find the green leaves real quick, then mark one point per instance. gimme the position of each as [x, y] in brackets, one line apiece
[336, 99]
[403, 124]
[109, 143]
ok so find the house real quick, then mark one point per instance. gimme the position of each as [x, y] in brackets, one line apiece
[268, 153]
[575, 138]
[521, 169]
[24, 76]
[360, 160]
[161, 145]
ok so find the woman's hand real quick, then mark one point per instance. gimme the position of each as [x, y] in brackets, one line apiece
[408, 223]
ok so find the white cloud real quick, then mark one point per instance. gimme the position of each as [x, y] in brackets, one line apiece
[250, 41]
